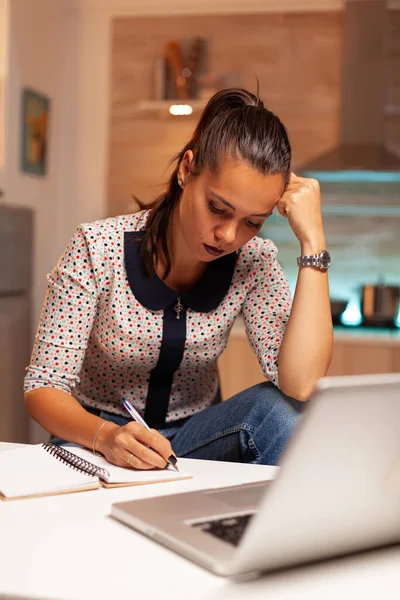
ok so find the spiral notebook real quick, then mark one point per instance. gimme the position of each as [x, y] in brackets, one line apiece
[46, 469]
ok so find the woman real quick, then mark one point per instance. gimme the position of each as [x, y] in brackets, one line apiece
[140, 306]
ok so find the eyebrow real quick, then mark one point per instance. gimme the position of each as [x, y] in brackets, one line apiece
[267, 214]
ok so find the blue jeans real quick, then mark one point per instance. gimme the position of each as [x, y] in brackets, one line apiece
[252, 427]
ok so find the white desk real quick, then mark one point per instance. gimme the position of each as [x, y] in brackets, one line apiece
[65, 547]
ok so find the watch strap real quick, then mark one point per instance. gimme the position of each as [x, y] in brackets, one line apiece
[312, 260]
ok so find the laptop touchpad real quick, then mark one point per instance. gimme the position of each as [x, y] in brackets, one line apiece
[246, 496]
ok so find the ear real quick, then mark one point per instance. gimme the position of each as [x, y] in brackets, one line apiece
[184, 167]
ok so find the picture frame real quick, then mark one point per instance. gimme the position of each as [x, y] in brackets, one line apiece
[35, 132]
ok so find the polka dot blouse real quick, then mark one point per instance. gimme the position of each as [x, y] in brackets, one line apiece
[104, 323]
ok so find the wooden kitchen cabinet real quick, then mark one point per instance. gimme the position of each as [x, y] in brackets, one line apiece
[396, 360]
[239, 368]
[360, 358]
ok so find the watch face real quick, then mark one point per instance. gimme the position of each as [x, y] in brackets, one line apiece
[325, 258]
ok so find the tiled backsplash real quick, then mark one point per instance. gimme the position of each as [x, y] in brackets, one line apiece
[364, 244]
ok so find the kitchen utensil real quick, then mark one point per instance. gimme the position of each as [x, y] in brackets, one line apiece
[380, 304]
[176, 65]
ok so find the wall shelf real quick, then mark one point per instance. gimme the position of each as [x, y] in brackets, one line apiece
[161, 108]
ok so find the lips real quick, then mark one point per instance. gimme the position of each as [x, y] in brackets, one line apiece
[213, 250]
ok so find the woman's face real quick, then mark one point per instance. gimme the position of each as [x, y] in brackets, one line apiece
[221, 212]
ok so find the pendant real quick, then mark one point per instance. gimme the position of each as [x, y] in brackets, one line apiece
[178, 307]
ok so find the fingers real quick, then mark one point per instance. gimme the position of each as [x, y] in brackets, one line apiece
[128, 452]
[308, 182]
[129, 459]
[144, 448]
[281, 206]
[301, 205]
[123, 458]
[144, 453]
[153, 439]
[293, 179]
[149, 448]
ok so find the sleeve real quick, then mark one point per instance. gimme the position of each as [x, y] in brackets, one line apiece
[66, 320]
[266, 309]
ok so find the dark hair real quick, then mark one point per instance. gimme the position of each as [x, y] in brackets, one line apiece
[234, 124]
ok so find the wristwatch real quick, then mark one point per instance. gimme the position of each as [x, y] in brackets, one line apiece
[321, 260]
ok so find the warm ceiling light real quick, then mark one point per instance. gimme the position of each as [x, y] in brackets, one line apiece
[180, 109]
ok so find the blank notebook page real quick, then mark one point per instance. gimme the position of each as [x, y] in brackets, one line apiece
[127, 475]
[33, 471]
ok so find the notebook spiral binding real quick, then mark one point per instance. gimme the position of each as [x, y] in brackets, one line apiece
[75, 462]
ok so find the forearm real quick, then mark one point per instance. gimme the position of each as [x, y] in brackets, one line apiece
[62, 416]
[306, 347]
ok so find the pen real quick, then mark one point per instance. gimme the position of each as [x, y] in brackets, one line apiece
[135, 415]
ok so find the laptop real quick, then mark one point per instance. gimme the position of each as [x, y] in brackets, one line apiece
[337, 491]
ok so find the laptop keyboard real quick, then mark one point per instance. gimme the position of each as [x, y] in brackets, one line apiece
[228, 529]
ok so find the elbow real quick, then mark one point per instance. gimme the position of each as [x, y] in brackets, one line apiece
[29, 402]
[33, 400]
[299, 385]
[304, 394]
[300, 394]
[301, 391]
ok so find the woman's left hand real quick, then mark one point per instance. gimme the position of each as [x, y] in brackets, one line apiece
[301, 204]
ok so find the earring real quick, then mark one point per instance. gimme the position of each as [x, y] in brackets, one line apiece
[180, 182]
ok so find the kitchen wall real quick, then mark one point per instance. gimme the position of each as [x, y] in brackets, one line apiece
[95, 35]
[393, 97]
[41, 55]
[295, 56]
[362, 222]
[4, 29]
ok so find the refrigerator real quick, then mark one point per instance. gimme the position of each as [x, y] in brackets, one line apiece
[16, 268]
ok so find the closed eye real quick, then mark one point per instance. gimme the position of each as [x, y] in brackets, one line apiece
[222, 211]
[254, 225]
[213, 208]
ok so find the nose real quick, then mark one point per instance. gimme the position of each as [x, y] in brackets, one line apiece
[226, 233]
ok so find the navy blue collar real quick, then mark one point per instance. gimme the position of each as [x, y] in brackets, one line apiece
[154, 294]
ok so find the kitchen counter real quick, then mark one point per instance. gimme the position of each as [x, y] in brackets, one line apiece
[374, 334]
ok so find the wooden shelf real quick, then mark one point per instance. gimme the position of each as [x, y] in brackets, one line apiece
[161, 108]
